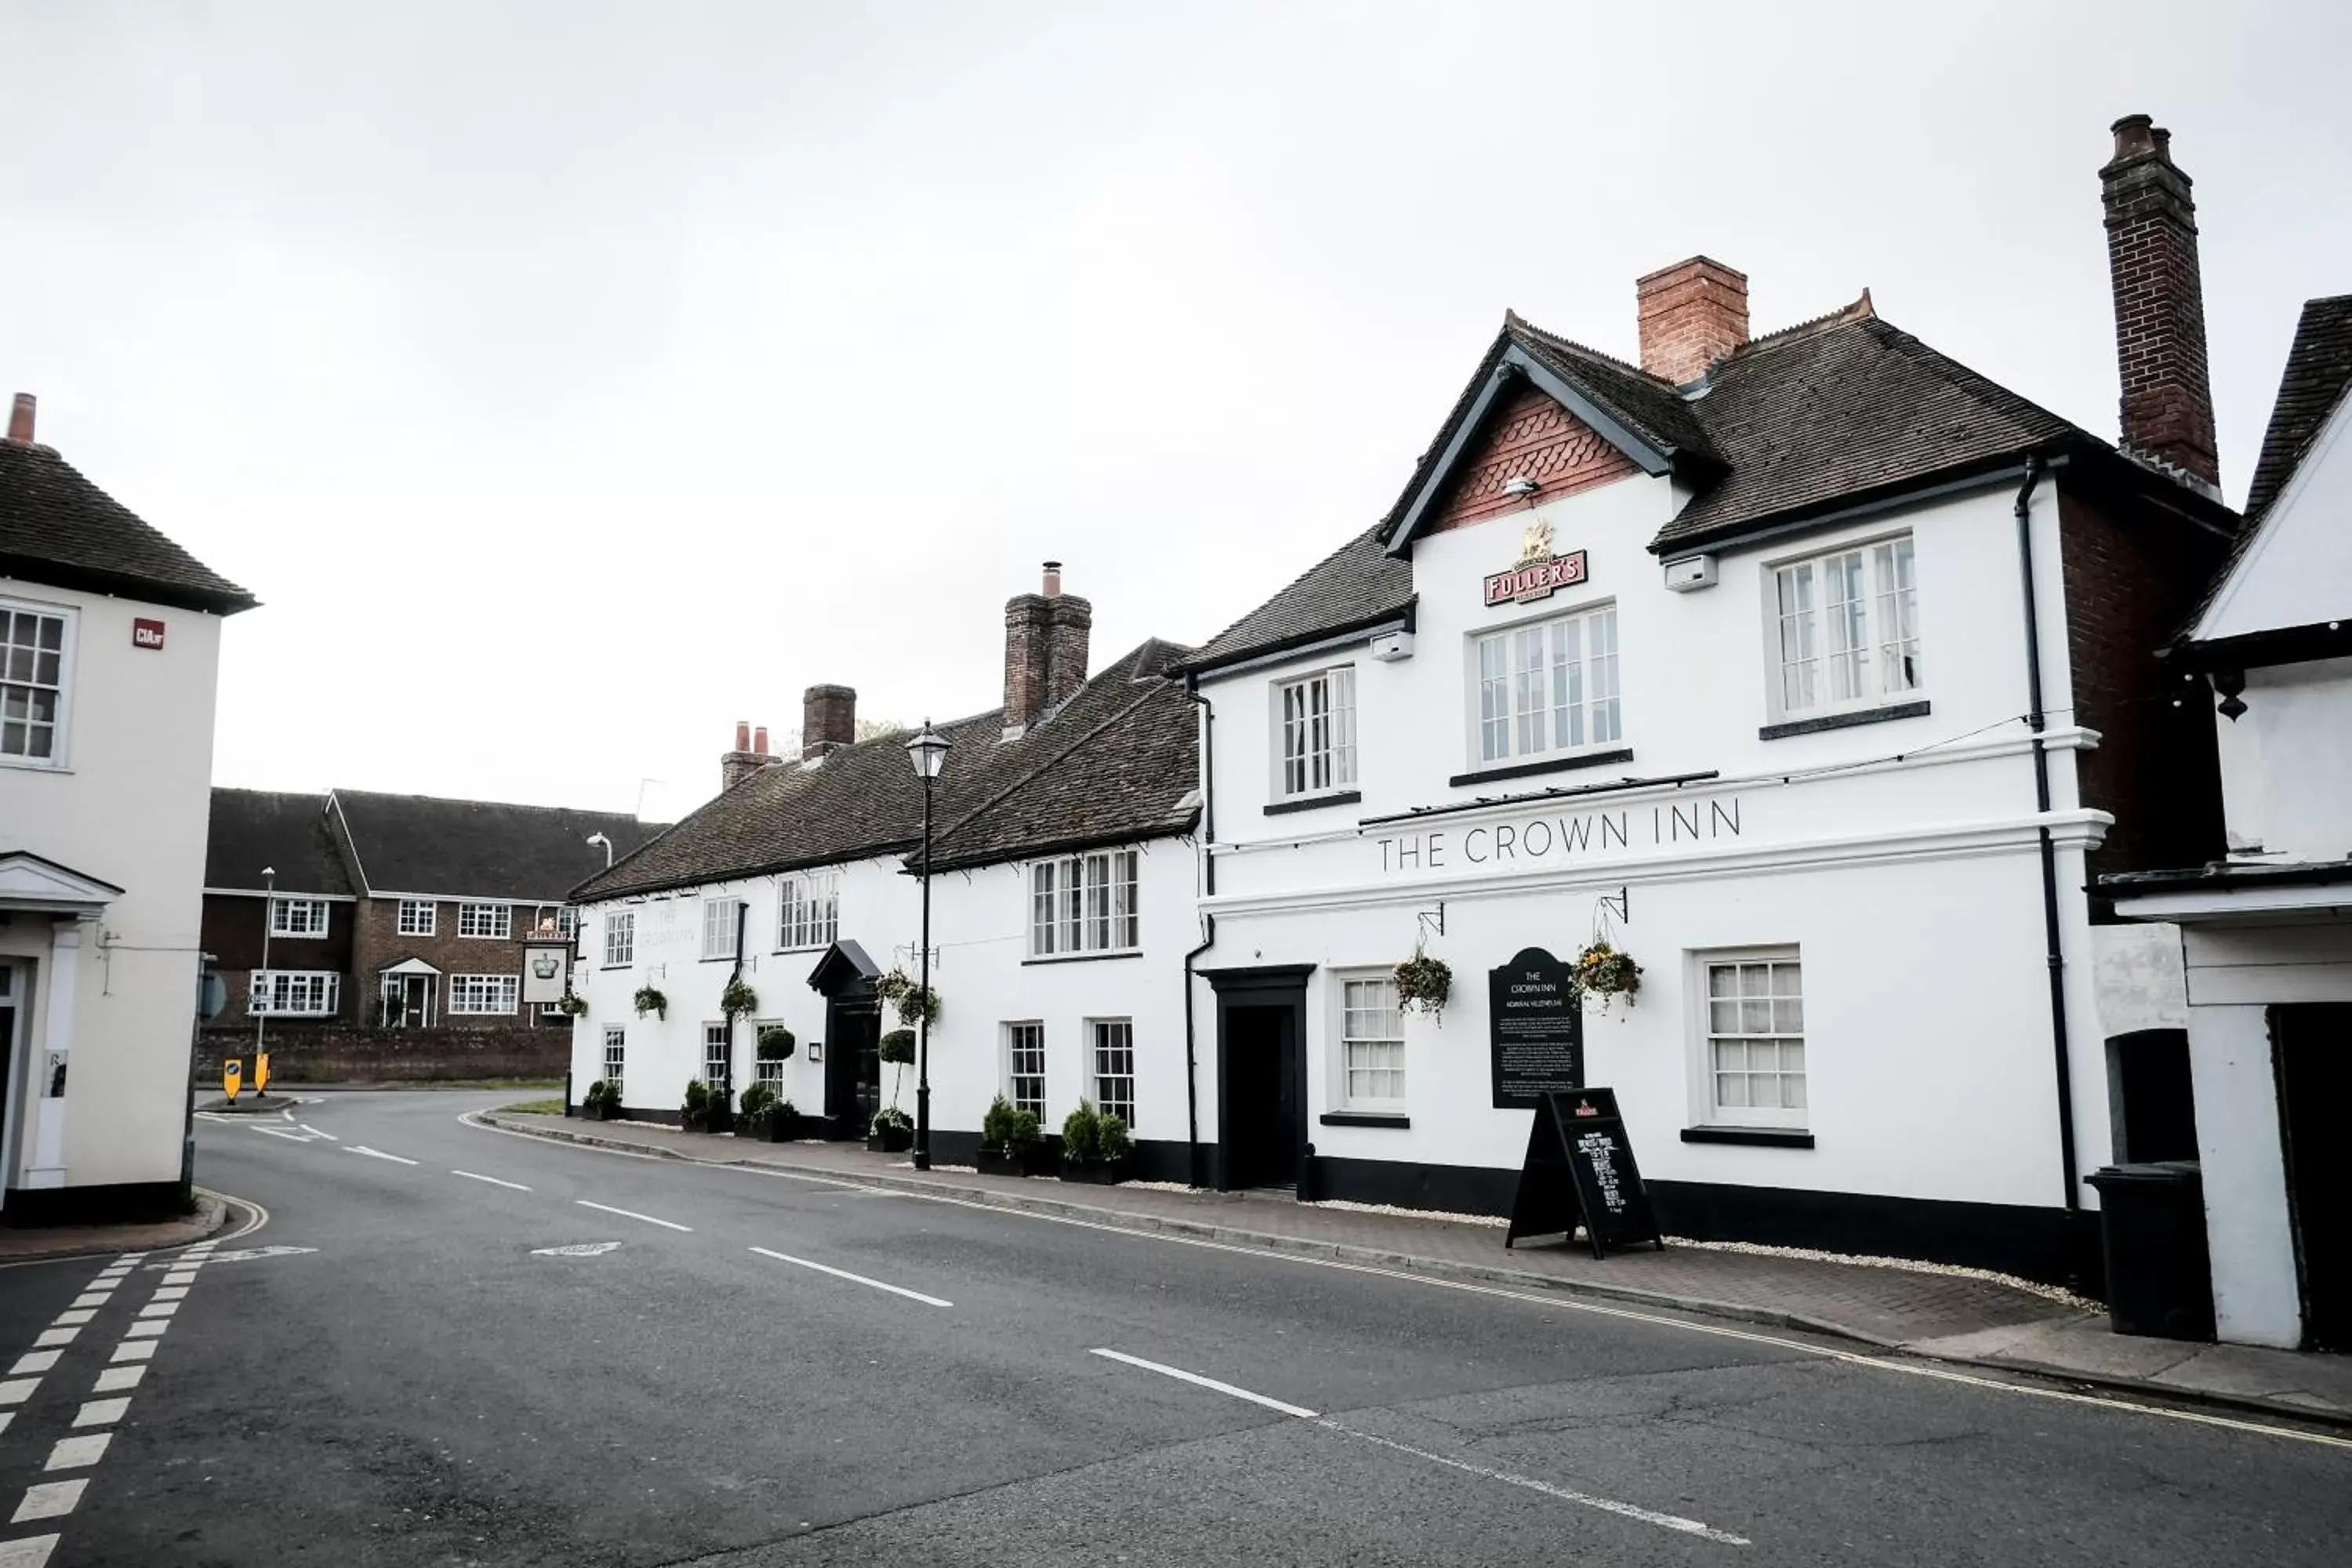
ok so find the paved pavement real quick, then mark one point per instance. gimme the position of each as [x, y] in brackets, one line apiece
[36, 1244]
[454, 1345]
[1959, 1318]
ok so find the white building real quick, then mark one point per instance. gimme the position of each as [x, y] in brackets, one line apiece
[2258, 945]
[1062, 908]
[110, 645]
[1737, 659]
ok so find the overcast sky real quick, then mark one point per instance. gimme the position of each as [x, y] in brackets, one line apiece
[570, 380]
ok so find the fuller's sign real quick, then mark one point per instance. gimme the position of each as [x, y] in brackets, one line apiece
[1533, 580]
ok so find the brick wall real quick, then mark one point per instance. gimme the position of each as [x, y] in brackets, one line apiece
[2159, 298]
[1692, 314]
[346, 1054]
[1533, 435]
[378, 945]
[2132, 577]
[232, 934]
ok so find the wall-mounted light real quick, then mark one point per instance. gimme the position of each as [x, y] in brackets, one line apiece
[1520, 485]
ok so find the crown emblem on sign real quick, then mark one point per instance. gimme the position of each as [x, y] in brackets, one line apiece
[1535, 542]
[544, 965]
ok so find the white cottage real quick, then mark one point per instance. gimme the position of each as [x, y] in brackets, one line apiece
[1798, 667]
[110, 654]
[2258, 943]
[1062, 909]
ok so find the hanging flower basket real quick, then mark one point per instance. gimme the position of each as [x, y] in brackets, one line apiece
[650, 1000]
[1423, 983]
[915, 1004]
[1605, 972]
[738, 999]
[574, 1005]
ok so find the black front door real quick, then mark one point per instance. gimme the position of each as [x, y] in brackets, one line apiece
[1264, 1096]
[2314, 1078]
[853, 1066]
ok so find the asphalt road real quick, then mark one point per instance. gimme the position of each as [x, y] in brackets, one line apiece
[744, 1369]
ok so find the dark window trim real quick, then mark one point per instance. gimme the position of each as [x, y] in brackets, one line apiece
[1549, 765]
[1310, 802]
[1842, 721]
[1754, 1137]
[1084, 957]
[1362, 1119]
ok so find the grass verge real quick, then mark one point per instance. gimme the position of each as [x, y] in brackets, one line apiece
[537, 1106]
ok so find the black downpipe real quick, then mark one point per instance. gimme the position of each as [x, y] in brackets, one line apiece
[2037, 719]
[1208, 923]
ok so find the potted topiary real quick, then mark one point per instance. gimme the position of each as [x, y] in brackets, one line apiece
[758, 1104]
[897, 1051]
[694, 1114]
[892, 1132]
[1011, 1142]
[650, 1000]
[602, 1101]
[1094, 1147]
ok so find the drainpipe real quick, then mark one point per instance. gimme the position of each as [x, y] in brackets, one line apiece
[743, 918]
[2037, 719]
[1208, 922]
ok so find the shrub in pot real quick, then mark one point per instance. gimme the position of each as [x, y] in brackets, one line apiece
[1011, 1141]
[1095, 1147]
[696, 1110]
[602, 1102]
[892, 1132]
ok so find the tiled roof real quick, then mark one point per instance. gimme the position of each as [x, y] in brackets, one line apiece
[2319, 368]
[479, 849]
[1360, 583]
[994, 797]
[254, 829]
[57, 527]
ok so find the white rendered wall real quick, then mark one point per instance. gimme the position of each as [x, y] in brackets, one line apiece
[2286, 761]
[2255, 1296]
[2297, 569]
[131, 809]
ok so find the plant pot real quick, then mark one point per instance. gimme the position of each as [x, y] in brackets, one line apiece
[609, 1110]
[1099, 1173]
[1020, 1159]
[719, 1121]
[888, 1140]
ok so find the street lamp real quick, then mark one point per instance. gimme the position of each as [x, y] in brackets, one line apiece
[926, 751]
[600, 838]
[261, 1013]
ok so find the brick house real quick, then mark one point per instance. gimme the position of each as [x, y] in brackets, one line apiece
[394, 924]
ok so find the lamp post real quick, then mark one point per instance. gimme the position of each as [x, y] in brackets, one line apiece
[926, 751]
[269, 920]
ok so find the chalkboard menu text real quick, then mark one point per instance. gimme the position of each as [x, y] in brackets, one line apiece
[1579, 1170]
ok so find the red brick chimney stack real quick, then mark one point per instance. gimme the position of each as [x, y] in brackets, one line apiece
[828, 721]
[2168, 389]
[20, 420]
[740, 764]
[1693, 313]
[1046, 651]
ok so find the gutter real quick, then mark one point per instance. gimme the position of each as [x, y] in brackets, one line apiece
[2037, 720]
[1208, 922]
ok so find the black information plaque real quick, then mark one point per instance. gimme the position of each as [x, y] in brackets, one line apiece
[1535, 1024]
[1579, 1170]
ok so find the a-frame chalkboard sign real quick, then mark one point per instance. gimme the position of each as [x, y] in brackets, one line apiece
[1579, 1170]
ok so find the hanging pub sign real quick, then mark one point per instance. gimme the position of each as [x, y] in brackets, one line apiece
[1538, 573]
[1580, 1171]
[1535, 1030]
[546, 967]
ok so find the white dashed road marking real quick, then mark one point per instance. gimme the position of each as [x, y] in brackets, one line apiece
[1198, 1380]
[74, 1453]
[148, 1328]
[632, 1214]
[853, 1278]
[577, 1249]
[32, 1361]
[142, 1349]
[49, 1499]
[101, 1412]
[115, 1379]
[19, 1390]
[376, 1153]
[30, 1552]
[494, 1181]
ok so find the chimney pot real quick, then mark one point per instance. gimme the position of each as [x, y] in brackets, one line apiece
[1052, 579]
[760, 742]
[2159, 300]
[828, 721]
[20, 419]
[1692, 314]
[742, 734]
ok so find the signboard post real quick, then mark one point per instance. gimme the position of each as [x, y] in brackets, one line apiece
[1579, 1170]
[232, 1077]
[261, 1075]
[1535, 1030]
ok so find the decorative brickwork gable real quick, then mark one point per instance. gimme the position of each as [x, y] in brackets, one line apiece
[1535, 436]
[2168, 392]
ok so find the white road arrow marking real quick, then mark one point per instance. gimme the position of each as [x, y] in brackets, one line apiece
[375, 1153]
[241, 1254]
[577, 1249]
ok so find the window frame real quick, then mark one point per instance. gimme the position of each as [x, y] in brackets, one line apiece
[60, 726]
[808, 910]
[1096, 1046]
[1076, 914]
[1517, 721]
[454, 1000]
[724, 931]
[473, 912]
[432, 906]
[615, 1058]
[1876, 593]
[282, 905]
[1009, 1034]
[719, 1046]
[327, 981]
[621, 924]
[1342, 753]
[1706, 1111]
[1342, 1097]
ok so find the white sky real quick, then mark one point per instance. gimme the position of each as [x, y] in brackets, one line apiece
[570, 380]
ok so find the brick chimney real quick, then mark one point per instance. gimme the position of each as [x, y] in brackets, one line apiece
[828, 721]
[1693, 313]
[2168, 392]
[1046, 639]
[746, 758]
[20, 420]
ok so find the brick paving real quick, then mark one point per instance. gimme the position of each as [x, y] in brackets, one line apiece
[1885, 1306]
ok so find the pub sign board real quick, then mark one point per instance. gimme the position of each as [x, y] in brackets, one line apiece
[1579, 1170]
[1539, 579]
[1535, 1029]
